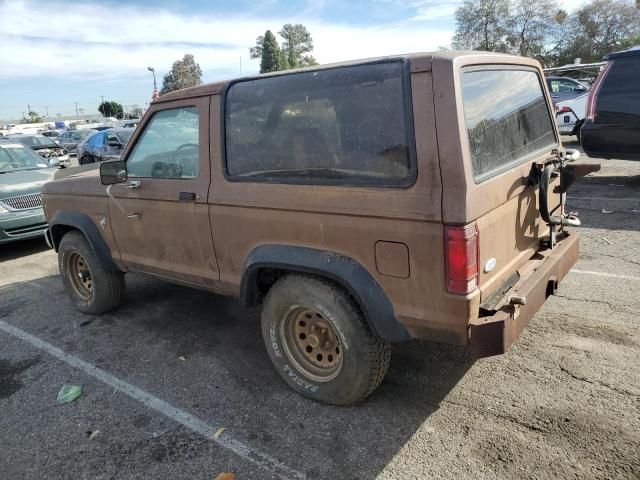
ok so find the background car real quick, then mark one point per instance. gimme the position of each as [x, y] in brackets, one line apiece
[22, 174]
[50, 133]
[70, 139]
[104, 145]
[612, 124]
[564, 88]
[56, 155]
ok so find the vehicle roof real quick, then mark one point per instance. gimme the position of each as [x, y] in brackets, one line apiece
[424, 59]
[632, 52]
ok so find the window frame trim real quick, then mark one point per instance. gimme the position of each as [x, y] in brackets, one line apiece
[479, 179]
[407, 106]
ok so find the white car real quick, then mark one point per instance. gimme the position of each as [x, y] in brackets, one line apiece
[570, 114]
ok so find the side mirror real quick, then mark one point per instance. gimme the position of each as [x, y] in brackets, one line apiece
[113, 172]
[114, 143]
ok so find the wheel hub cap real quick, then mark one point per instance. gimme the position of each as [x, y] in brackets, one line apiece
[312, 344]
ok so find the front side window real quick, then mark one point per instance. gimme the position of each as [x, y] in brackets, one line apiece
[507, 118]
[169, 146]
[343, 125]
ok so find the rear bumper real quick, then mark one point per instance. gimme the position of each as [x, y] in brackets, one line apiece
[493, 335]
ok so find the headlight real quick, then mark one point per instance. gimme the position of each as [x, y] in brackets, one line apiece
[3, 210]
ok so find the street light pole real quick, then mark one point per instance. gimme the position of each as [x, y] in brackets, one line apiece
[153, 70]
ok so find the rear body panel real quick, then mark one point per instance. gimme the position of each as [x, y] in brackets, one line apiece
[504, 206]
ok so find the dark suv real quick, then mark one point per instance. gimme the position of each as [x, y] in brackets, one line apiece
[612, 124]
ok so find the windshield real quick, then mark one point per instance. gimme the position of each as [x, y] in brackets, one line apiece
[85, 133]
[124, 135]
[36, 141]
[15, 157]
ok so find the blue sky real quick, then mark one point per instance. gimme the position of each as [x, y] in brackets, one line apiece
[72, 51]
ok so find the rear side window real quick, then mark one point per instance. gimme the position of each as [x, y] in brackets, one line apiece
[507, 118]
[346, 125]
[619, 97]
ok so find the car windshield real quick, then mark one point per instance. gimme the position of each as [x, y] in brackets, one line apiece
[35, 141]
[124, 135]
[15, 157]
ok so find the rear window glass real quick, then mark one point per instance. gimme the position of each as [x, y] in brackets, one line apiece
[507, 118]
[619, 98]
[342, 125]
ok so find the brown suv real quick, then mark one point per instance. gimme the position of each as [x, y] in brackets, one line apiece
[362, 203]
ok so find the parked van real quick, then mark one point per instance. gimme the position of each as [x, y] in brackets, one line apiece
[360, 203]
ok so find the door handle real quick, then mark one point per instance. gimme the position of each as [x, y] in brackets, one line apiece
[133, 216]
[134, 184]
[187, 196]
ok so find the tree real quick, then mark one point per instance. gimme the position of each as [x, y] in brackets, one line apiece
[601, 27]
[183, 74]
[540, 29]
[109, 108]
[135, 112]
[296, 42]
[34, 117]
[483, 25]
[270, 55]
[532, 24]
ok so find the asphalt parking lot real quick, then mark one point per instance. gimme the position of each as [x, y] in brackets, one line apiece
[173, 366]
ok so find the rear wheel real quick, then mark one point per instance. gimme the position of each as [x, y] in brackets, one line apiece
[319, 341]
[85, 160]
[90, 286]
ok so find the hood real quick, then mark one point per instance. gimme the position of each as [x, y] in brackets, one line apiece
[24, 182]
[83, 180]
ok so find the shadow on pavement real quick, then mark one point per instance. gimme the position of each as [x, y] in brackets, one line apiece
[22, 248]
[204, 353]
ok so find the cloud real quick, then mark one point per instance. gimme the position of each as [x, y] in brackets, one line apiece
[100, 41]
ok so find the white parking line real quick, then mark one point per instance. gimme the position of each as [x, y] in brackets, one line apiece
[184, 418]
[603, 199]
[603, 274]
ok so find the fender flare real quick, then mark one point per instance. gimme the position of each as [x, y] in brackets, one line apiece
[62, 222]
[339, 268]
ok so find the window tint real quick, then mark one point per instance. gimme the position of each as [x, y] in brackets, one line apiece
[168, 147]
[619, 97]
[506, 116]
[339, 125]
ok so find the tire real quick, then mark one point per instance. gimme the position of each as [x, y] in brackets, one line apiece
[85, 160]
[91, 287]
[361, 358]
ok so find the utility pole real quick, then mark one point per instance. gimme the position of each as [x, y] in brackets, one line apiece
[103, 106]
[47, 109]
[76, 108]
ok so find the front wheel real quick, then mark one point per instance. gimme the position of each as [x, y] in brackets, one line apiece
[90, 286]
[319, 342]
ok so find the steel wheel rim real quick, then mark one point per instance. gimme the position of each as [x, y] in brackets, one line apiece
[312, 344]
[80, 275]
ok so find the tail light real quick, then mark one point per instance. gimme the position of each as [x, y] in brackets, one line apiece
[592, 101]
[461, 254]
[560, 109]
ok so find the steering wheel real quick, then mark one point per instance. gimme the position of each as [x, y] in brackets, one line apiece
[187, 161]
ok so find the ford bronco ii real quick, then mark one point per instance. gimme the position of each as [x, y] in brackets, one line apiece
[362, 203]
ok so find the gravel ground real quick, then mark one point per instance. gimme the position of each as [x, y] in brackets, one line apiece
[563, 402]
